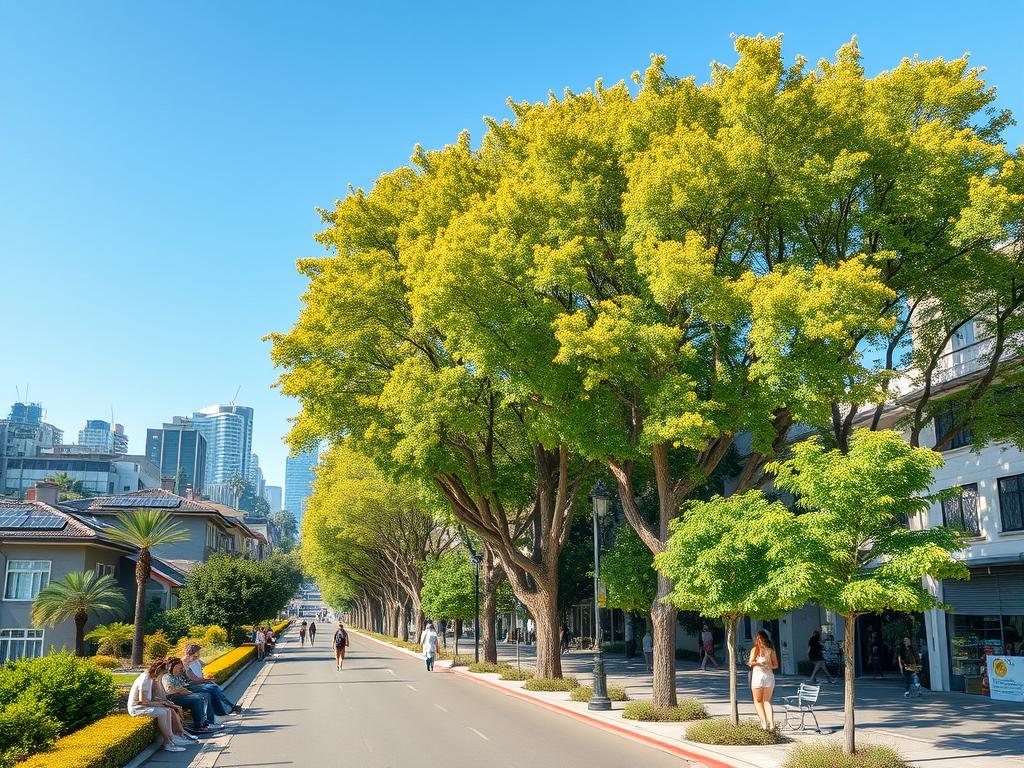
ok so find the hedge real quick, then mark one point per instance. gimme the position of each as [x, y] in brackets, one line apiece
[584, 692]
[107, 743]
[829, 754]
[720, 731]
[645, 710]
[223, 667]
[551, 684]
[280, 627]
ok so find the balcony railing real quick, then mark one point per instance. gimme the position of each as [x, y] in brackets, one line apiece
[963, 361]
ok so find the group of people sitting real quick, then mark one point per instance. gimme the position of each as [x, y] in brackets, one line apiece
[173, 685]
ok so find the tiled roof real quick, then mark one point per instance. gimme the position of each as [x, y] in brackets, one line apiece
[101, 504]
[73, 528]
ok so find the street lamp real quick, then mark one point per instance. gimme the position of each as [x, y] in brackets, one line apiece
[599, 700]
[477, 559]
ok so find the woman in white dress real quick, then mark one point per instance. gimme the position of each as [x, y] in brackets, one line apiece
[763, 662]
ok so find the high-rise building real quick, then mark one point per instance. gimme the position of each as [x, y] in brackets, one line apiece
[179, 446]
[104, 436]
[228, 433]
[25, 435]
[274, 496]
[299, 475]
[27, 413]
[256, 479]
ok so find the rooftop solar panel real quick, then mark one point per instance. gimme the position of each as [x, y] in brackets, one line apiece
[141, 501]
[12, 521]
[45, 522]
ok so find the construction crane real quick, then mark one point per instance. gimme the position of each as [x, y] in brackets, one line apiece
[236, 394]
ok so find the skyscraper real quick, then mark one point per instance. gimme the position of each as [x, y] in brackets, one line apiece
[228, 433]
[298, 481]
[274, 496]
[179, 446]
[99, 434]
[256, 479]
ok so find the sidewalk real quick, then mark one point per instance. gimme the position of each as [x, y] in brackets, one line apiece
[938, 730]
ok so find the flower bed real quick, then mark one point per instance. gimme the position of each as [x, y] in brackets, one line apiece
[108, 743]
[223, 667]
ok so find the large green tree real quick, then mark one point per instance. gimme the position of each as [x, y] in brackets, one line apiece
[864, 558]
[233, 591]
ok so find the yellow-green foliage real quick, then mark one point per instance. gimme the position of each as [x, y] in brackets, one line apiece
[107, 662]
[209, 634]
[551, 684]
[280, 627]
[107, 743]
[829, 754]
[157, 645]
[223, 667]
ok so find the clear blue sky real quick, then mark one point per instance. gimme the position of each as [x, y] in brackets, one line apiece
[160, 162]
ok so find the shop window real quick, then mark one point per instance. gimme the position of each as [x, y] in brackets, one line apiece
[1011, 502]
[20, 643]
[961, 511]
[972, 639]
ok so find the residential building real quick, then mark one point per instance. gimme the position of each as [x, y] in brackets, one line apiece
[103, 435]
[274, 496]
[179, 451]
[228, 433]
[299, 474]
[95, 473]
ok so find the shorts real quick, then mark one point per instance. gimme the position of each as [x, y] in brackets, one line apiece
[762, 678]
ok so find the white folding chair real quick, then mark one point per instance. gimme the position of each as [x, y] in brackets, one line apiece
[801, 705]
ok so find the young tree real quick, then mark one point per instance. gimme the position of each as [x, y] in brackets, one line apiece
[112, 638]
[449, 588]
[75, 596]
[734, 557]
[863, 557]
[68, 487]
[144, 530]
[628, 573]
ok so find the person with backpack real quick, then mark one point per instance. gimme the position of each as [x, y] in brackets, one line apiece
[340, 644]
[312, 633]
[429, 642]
[302, 634]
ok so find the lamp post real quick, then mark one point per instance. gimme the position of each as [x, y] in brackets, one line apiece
[477, 559]
[599, 700]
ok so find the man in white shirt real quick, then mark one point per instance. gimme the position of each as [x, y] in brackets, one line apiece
[429, 642]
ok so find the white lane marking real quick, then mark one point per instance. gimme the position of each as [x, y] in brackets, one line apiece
[474, 730]
[368, 747]
[440, 707]
[411, 688]
[391, 671]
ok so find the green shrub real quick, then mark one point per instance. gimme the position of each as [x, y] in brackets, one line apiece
[173, 622]
[829, 754]
[551, 683]
[108, 743]
[719, 731]
[73, 690]
[461, 660]
[511, 673]
[584, 692]
[486, 666]
[156, 646]
[106, 662]
[25, 728]
[684, 711]
[210, 634]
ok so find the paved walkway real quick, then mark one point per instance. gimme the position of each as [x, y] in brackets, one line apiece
[385, 710]
[938, 730]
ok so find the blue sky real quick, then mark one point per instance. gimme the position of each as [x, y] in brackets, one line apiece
[160, 162]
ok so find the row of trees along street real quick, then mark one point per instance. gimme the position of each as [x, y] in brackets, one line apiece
[622, 281]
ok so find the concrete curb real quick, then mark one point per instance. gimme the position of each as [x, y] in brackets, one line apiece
[649, 740]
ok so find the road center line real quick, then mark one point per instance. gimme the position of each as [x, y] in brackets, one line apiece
[474, 730]
[440, 707]
[411, 688]
[368, 747]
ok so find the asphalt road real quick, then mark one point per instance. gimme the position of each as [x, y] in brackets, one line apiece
[384, 710]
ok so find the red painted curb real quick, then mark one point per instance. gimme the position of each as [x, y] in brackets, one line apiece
[650, 741]
[397, 648]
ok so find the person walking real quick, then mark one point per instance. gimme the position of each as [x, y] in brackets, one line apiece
[816, 655]
[707, 647]
[428, 640]
[648, 647]
[312, 633]
[763, 663]
[302, 634]
[261, 642]
[909, 661]
[340, 644]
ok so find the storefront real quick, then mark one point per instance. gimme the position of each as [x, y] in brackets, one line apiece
[987, 618]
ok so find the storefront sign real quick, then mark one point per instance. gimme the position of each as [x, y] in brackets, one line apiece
[1006, 678]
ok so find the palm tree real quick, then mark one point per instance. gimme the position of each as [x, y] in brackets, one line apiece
[112, 638]
[75, 596]
[144, 530]
[68, 487]
[237, 485]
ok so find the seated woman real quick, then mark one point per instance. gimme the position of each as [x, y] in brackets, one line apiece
[200, 684]
[142, 702]
[175, 686]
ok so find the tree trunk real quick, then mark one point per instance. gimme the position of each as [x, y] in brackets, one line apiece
[80, 618]
[488, 610]
[421, 622]
[543, 606]
[849, 661]
[457, 633]
[141, 577]
[730, 648]
[664, 619]
[403, 627]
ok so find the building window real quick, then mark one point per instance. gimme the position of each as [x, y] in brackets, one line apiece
[1011, 502]
[104, 569]
[944, 421]
[25, 578]
[962, 511]
[20, 643]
